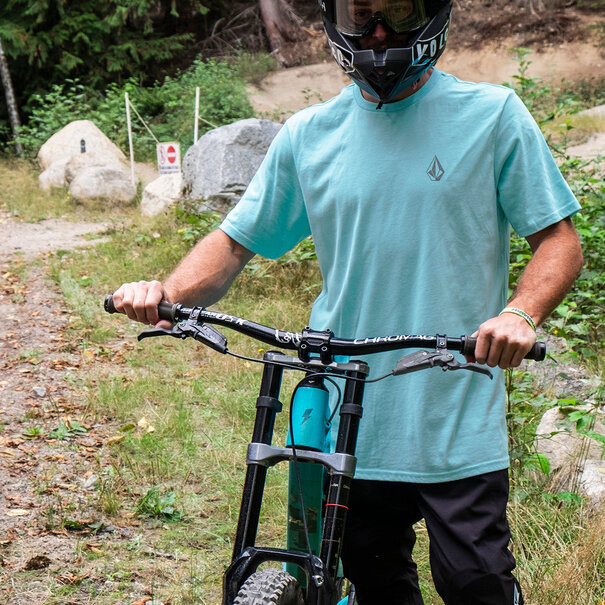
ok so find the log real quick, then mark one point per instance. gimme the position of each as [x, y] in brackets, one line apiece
[282, 27]
[11, 103]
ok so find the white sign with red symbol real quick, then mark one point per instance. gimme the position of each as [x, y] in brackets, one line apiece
[169, 158]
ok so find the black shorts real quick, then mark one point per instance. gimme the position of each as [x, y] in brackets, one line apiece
[469, 538]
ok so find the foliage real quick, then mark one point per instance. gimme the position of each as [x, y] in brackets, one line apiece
[197, 223]
[156, 505]
[67, 430]
[525, 408]
[579, 318]
[48, 41]
[166, 107]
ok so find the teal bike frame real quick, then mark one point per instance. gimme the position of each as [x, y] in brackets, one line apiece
[311, 425]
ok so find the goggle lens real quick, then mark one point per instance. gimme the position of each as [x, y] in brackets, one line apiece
[360, 17]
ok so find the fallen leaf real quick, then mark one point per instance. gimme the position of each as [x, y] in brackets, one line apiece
[115, 439]
[72, 579]
[17, 512]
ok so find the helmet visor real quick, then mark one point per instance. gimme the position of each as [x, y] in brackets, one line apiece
[359, 17]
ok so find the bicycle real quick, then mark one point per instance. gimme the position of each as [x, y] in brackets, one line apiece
[316, 513]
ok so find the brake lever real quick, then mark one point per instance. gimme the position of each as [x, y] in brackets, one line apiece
[422, 360]
[472, 367]
[153, 332]
[203, 333]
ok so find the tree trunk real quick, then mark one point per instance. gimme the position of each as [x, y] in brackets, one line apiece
[283, 29]
[13, 114]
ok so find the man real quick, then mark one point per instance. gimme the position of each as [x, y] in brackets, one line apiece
[409, 181]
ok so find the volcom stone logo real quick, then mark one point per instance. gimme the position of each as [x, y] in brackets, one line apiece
[435, 170]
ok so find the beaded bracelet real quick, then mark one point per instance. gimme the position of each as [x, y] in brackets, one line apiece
[522, 314]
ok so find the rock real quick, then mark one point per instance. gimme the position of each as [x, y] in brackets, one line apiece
[220, 165]
[570, 453]
[90, 482]
[78, 163]
[109, 182]
[161, 193]
[594, 112]
[592, 482]
[67, 142]
[40, 391]
[78, 148]
[53, 176]
[595, 146]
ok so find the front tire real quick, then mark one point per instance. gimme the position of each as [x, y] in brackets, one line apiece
[270, 587]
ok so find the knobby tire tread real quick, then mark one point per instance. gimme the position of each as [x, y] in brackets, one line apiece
[270, 587]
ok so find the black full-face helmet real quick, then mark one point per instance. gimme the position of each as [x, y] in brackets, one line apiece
[384, 74]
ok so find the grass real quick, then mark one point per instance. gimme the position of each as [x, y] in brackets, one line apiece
[22, 198]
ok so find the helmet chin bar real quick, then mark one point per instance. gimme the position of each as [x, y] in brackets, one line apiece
[386, 74]
[385, 86]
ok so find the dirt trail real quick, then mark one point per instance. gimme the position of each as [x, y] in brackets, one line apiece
[286, 91]
[43, 475]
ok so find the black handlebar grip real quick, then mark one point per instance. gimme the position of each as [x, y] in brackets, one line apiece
[537, 352]
[166, 310]
[108, 304]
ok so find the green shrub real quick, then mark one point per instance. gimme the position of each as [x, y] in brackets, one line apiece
[166, 107]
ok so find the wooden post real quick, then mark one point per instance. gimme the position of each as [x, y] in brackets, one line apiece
[196, 122]
[11, 103]
[130, 146]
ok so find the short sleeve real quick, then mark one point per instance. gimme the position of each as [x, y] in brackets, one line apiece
[531, 190]
[271, 217]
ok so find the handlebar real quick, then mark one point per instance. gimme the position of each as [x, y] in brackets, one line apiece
[323, 343]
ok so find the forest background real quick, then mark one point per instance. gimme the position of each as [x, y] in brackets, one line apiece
[96, 51]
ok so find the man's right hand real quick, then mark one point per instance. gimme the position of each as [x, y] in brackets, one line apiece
[139, 301]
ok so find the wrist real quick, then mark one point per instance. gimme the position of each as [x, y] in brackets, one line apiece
[519, 312]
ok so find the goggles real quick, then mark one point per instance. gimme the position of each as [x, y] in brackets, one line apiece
[358, 18]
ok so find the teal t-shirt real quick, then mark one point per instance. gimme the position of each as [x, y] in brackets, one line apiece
[410, 208]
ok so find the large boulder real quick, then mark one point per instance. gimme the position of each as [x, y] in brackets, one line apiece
[68, 142]
[161, 193]
[575, 459]
[83, 161]
[109, 182]
[82, 157]
[218, 168]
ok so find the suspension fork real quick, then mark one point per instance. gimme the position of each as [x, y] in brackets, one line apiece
[267, 407]
[339, 488]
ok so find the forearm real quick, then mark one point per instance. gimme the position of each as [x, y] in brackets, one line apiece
[555, 264]
[556, 261]
[208, 271]
[201, 278]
